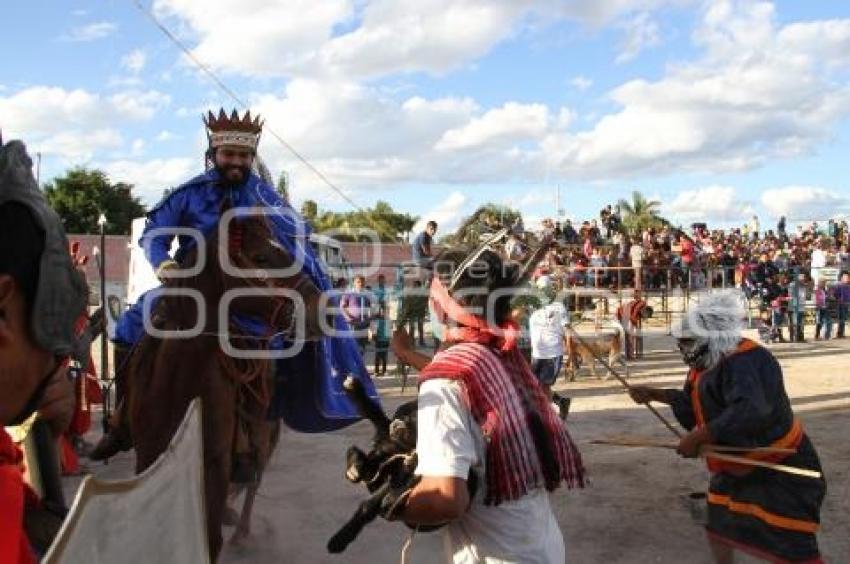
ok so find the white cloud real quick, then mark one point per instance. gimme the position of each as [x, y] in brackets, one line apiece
[448, 214]
[137, 147]
[267, 38]
[90, 32]
[799, 203]
[601, 12]
[74, 124]
[137, 105]
[581, 83]
[75, 146]
[380, 37]
[733, 109]
[41, 109]
[508, 124]
[712, 203]
[151, 178]
[165, 135]
[641, 32]
[408, 35]
[386, 142]
[134, 61]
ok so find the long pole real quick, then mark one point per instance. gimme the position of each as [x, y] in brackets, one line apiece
[625, 384]
[104, 344]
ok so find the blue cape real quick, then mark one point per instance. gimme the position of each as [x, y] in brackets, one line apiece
[309, 396]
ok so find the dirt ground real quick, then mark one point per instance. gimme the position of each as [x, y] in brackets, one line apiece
[634, 511]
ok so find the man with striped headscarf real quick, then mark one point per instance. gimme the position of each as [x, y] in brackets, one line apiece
[481, 408]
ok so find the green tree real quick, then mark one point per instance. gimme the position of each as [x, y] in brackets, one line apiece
[310, 210]
[349, 226]
[283, 186]
[81, 195]
[486, 218]
[640, 214]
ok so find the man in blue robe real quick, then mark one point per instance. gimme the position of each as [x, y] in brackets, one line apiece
[308, 386]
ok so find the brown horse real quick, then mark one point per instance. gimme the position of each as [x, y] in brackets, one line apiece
[165, 374]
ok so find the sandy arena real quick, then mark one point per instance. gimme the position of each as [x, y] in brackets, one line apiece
[634, 511]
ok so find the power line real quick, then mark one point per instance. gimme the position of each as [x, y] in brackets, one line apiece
[229, 92]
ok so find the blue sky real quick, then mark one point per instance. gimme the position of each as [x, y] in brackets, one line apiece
[720, 109]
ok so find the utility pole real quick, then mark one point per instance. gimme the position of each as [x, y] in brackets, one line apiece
[38, 169]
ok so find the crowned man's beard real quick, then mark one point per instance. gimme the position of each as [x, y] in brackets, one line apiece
[233, 175]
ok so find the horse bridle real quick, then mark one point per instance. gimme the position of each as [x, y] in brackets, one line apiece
[284, 307]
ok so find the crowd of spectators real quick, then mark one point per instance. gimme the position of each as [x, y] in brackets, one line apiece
[780, 270]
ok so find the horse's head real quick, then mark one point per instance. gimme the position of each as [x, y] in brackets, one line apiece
[261, 263]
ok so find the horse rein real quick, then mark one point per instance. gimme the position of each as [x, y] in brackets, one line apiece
[284, 308]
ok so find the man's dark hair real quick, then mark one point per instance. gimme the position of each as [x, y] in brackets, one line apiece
[480, 279]
[21, 247]
[431, 224]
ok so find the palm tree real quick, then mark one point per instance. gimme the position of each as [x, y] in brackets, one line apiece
[640, 214]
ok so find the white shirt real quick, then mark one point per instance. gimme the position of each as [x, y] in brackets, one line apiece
[513, 248]
[818, 258]
[636, 253]
[449, 443]
[547, 328]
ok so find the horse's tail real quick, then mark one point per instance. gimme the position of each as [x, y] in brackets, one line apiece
[366, 406]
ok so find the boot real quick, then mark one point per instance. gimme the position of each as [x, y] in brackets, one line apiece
[116, 440]
[563, 405]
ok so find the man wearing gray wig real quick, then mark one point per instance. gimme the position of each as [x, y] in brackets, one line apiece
[710, 330]
[735, 395]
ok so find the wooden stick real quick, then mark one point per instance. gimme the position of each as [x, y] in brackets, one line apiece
[623, 381]
[634, 443]
[773, 466]
[763, 450]
[708, 453]
[652, 443]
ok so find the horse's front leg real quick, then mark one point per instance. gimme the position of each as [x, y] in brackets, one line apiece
[264, 438]
[219, 410]
[243, 526]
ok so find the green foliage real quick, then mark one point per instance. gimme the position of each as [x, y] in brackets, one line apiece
[348, 226]
[82, 195]
[283, 186]
[640, 214]
[310, 210]
[485, 219]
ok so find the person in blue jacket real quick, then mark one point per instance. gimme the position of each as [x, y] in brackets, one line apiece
[308, 386]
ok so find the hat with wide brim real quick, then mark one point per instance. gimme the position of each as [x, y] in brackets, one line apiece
[62, 293]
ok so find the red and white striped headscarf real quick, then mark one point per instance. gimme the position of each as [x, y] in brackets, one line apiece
[528, 445]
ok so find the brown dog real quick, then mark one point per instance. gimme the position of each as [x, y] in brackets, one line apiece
[582, 349]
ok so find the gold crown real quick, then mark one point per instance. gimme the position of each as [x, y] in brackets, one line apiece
[233, 130]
